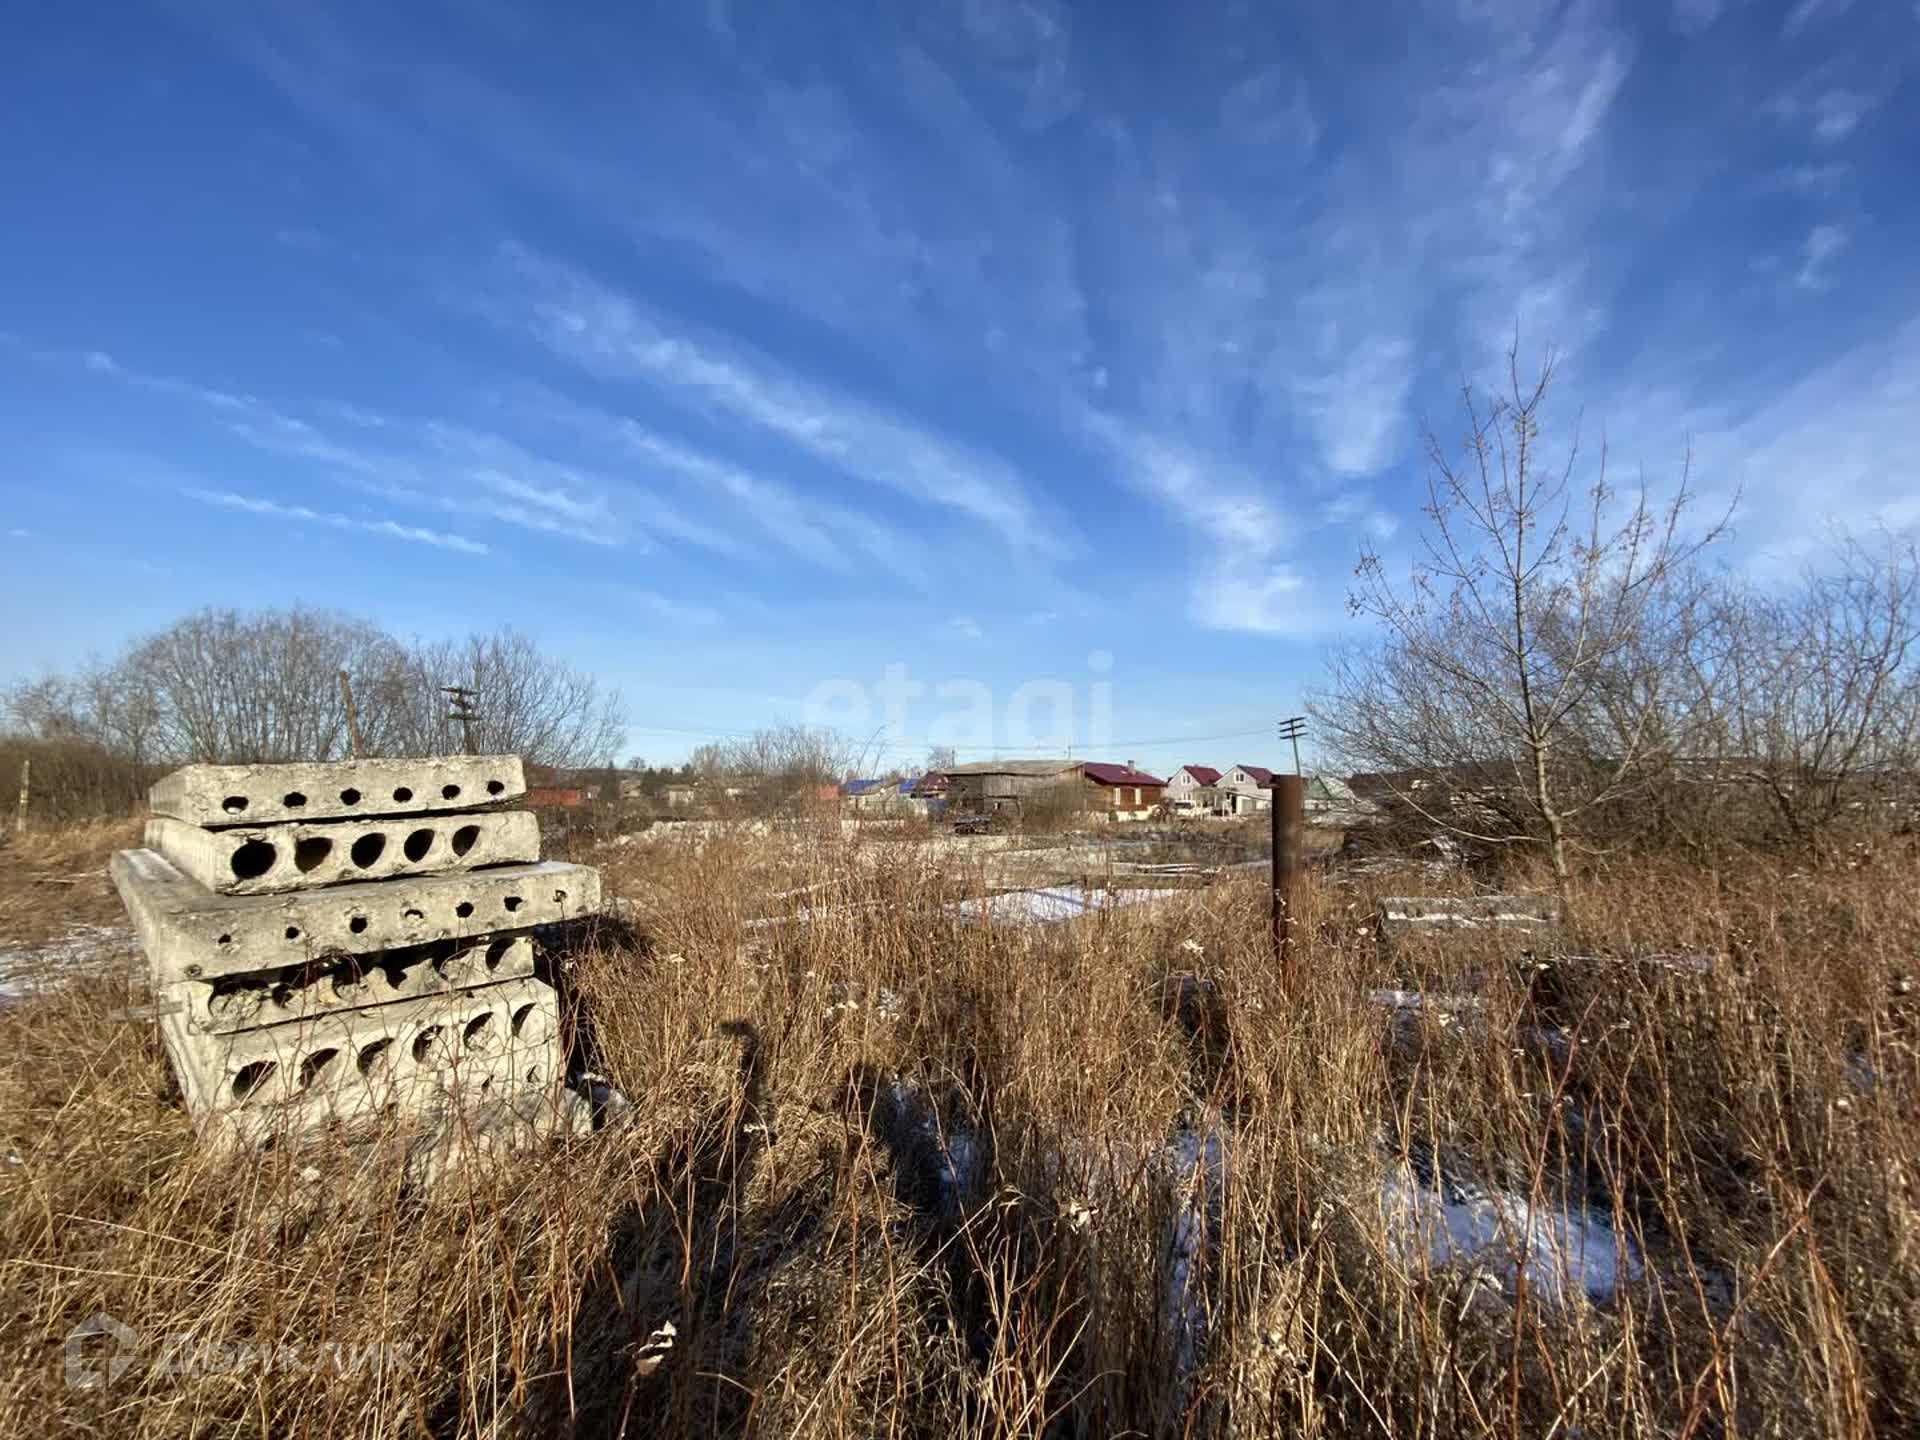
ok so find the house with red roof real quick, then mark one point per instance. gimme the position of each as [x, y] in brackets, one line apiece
[1247, 790]
[1121, 792]
[1194, 789]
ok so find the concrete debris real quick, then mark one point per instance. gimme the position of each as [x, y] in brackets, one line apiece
[289, 1002]
[261, 860]
[189, 932]
[218, 795]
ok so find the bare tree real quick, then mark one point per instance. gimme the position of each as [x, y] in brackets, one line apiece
[227, 686]
[1819, 689]
[261, 686]
[529, 703]
[941, 757]
[1522, 659]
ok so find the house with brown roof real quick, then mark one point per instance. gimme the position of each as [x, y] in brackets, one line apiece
[1247, 790]
[1122, 792]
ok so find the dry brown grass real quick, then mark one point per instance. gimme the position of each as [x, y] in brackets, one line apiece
[782, 1203]
[55, 878]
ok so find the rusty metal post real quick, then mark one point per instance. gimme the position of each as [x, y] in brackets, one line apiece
[1289, 839]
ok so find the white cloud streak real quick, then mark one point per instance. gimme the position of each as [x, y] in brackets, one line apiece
[605, 332]
[391, 529]
[1823, 245]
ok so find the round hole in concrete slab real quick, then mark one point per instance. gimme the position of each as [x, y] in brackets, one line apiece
[496, 952]
[477, 1028]
[349, 796]
[368, 848]
[559, 897]
[225, 940]
[310, 852]
[375, 1056]
[423, 1045]
[465, 838]
[250, 1078]
[413, 912]
[520, 1018]
[253, 859]
[418, 844]
[315, 1066]
[358, 924]
[402, 795]
[494, 787]
[449, 792]
[512, 902]
[463, 909]
[234, 804]
[293, 800]
[293, 932]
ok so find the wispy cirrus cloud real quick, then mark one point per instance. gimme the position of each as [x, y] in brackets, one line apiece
[1242, 579]
[605, 331]
[1823, 245]
[302, 514]
[432, 465]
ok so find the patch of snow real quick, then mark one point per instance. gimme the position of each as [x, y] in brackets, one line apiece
[950, 1153]
[1046, 905]
[1564, 1250]
[1196, 1169]
[1422, 1000]
[30, 970]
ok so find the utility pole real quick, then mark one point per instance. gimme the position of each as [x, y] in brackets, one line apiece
[1292, 728]
[463, 711]
[353, 717]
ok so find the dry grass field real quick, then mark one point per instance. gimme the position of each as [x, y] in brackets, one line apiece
[887, 1173]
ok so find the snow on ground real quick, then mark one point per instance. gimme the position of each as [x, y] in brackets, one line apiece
[1563, 1248]
[1196, 1169]
[1047, 904]
[30, 969]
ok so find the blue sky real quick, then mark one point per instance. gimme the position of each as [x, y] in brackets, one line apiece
[742, 351]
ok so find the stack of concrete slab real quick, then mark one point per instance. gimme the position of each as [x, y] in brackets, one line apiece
[335, 942]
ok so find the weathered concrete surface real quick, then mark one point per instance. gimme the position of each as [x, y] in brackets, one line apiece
[191, 933]
[490, 1041]
[262, 794]
[297, 992]
[272, 859]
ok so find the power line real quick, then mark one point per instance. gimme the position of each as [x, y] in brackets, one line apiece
[931, 743]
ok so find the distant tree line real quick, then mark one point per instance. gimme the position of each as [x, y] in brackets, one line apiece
[228, 687]
[1560, 667]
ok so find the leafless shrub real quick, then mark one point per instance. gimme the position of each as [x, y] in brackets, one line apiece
[779, 770]
[1817, 694]
[69, 780]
